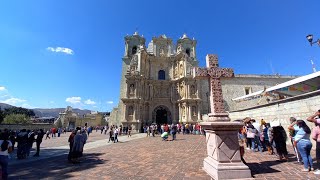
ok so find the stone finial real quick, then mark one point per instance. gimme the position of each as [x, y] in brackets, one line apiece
[135, 33]
[184, 36]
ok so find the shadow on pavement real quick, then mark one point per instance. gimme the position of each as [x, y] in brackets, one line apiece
[263, 167]
[56, 167]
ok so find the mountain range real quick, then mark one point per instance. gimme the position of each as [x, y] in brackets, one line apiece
[50, 112]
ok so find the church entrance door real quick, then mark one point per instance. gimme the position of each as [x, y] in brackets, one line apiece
[162, 116]
[71, 125]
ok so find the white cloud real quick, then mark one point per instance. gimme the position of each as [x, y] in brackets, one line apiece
[51, 102]
[95, 106]
[2, 88]
[73, 100]
[13, 101]
[109, 102]
[60, 49]
[89, 102]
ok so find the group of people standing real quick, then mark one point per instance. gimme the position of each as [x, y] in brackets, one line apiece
[77, 140]
[267, 137]
[178, 128]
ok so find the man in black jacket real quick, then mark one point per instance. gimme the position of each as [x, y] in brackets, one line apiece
[40, 135]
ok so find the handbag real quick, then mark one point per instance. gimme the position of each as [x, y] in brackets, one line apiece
[250, 134]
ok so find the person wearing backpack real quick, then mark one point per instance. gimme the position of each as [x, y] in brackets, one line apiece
[6, 148]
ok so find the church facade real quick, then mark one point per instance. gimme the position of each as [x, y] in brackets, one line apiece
[158, 85]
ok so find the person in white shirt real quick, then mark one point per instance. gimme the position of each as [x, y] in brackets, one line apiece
[6, 148]
[116, 131]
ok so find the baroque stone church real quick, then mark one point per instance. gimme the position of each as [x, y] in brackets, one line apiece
[158, 84]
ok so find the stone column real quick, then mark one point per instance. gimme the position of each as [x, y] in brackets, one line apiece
[180, 115]
[199, 111]
[173, 115]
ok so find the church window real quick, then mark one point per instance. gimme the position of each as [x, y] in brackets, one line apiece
[247, 90]
[188, 51]
[134, 50]
[161, 75]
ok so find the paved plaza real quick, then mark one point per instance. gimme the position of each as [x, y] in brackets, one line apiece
[139, 157]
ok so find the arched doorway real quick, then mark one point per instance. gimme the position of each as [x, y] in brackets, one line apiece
[161, 115]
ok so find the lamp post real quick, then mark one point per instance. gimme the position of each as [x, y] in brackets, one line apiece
[310, 39]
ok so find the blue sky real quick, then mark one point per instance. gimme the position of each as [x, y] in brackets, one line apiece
[251, 36]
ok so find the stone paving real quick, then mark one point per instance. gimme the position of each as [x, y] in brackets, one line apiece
[149, 158]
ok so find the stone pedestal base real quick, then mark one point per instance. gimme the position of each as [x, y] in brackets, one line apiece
[224, 161]
[226, 170]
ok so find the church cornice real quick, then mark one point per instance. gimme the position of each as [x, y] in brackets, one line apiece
[131, 100]
[189, 100]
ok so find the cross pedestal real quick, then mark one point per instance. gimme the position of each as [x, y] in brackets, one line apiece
[223, 161]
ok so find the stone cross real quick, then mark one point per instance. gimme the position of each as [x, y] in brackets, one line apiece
[223, 160]
[214, 73]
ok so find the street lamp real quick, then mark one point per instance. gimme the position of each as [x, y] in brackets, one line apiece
[310, 39]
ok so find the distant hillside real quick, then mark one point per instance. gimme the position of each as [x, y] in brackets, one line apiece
[54, 112]
[4, 106]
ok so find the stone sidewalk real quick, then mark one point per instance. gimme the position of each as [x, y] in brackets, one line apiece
[48, 150]
[151, 158]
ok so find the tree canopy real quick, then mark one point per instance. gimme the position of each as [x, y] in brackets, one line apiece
[17, 111]
[16, 119]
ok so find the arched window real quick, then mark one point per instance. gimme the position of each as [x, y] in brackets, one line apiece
[188, 51]
[161, 75]
[134, 50]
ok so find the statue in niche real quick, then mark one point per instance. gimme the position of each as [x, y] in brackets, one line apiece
[179, 48]
[181, 70]
[161, 52]
[188, 70]
[183, 111]
[194, 111]
[131, 89]
[130, 111]
[192, 90]
[182, 91]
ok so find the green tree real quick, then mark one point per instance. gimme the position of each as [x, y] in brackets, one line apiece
[16, 119]
[18, 110]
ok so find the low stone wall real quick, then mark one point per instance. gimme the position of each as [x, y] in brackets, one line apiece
[300, 107]
[25, 126]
